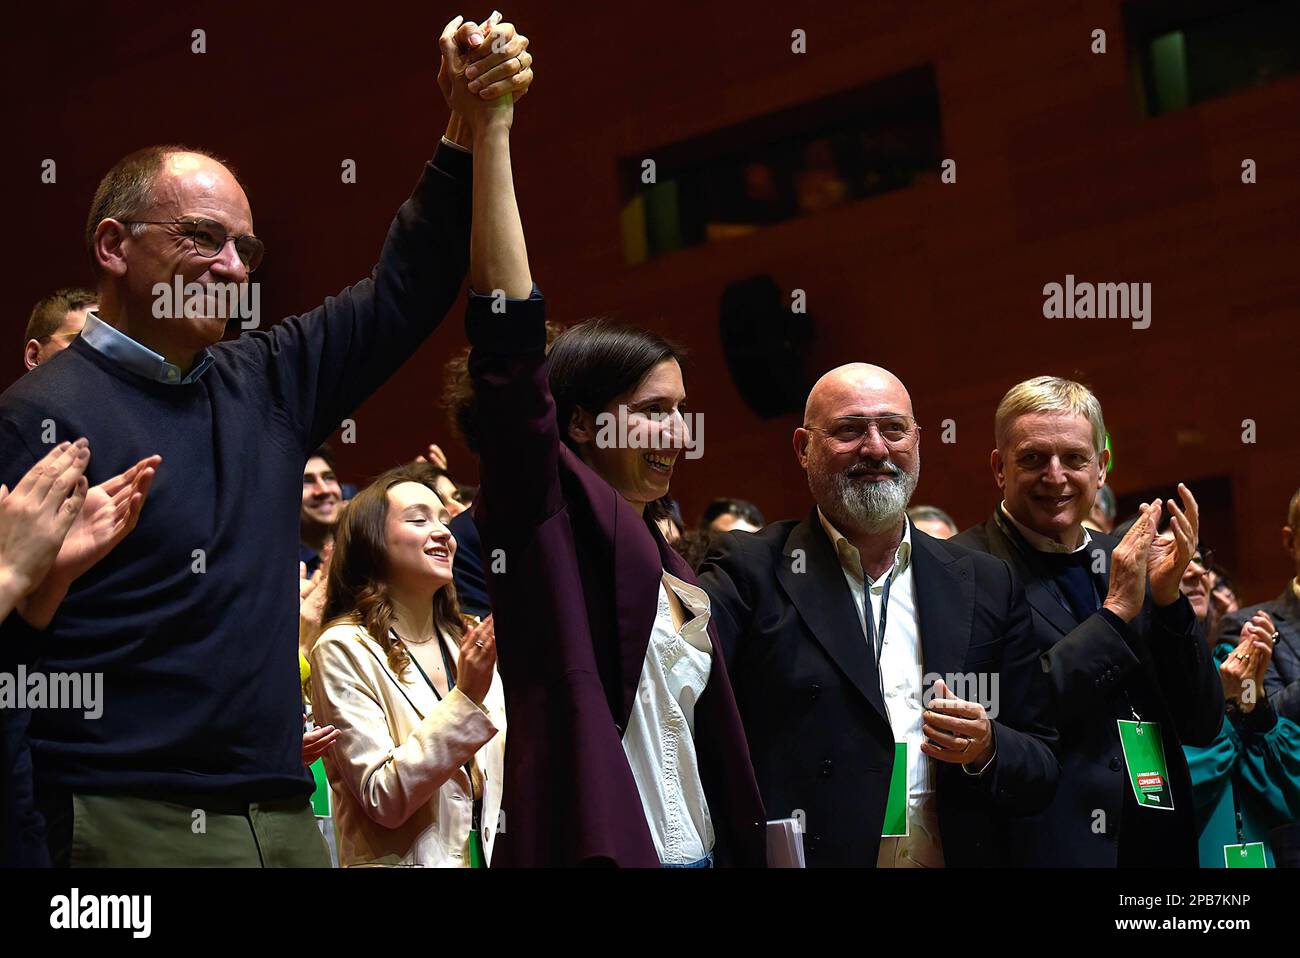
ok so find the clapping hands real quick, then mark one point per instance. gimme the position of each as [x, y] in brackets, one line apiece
[1242, 672]
[1142, 558]
[36, 515]
[1169, 555]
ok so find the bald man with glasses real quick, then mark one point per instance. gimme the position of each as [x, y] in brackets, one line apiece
[887, 680]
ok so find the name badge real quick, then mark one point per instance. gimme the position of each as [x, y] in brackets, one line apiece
[1250, 855]
[896, 824]
[1144, 758]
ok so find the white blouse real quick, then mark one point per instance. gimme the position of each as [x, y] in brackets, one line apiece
[660, 737]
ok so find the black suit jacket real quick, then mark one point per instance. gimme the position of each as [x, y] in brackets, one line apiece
[1095, 669]
[1282, 680]
[809, 693]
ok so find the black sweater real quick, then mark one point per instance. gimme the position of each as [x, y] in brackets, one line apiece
[201, 689]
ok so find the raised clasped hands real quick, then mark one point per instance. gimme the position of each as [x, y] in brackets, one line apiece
[1242, 672]
[485, 69]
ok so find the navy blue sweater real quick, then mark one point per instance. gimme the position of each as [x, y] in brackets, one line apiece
[201, 689]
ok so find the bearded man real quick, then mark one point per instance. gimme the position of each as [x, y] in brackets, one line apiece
[888, 680]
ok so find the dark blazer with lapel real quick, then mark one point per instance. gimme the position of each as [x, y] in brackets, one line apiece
[1282, 680]
[574, 575]
[1162, 666]
[809, 691]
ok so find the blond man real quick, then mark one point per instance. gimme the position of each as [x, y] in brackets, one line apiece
[1119, 642]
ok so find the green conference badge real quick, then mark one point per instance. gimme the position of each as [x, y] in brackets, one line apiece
[1144, 757]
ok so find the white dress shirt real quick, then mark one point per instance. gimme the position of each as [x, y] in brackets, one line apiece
[660, 738]
[901, 669]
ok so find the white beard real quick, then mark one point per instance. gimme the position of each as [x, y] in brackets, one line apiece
[875, 506]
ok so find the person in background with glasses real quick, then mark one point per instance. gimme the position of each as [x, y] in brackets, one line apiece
[888, 681]
[191, 618]
[1281, 619]
[1247, 781]
[1209, 589]
[55, 322]
[1120, 648]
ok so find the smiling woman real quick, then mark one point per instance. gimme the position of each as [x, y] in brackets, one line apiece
[629, 748]
[411, 687]
[602, 371]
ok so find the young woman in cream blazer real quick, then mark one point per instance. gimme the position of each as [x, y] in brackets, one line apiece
[416, 771]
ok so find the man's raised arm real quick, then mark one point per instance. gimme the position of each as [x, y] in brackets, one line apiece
[325, 363]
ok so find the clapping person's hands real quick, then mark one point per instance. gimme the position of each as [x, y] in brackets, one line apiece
[1169, 555]
[1248, 662]
[1128, 565]
[312, 593]
[111, 511]
[478, 657]
[35, 518]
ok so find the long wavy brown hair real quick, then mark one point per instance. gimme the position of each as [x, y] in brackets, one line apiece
[358, 576]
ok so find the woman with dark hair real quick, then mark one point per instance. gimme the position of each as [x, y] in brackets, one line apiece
[627, 746]
[416, 771]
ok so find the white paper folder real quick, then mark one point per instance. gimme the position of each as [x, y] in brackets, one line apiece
[785, 844]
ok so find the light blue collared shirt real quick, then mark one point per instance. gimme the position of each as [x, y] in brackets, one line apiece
[137, 358]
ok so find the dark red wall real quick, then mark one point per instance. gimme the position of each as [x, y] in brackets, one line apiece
[1057, 173]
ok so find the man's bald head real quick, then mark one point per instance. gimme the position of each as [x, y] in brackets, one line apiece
[856, 389]
[859, 447]
[163, 216]
[127, 191]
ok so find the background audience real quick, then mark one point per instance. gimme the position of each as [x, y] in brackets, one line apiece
[1247, 781]
[55, 322]
[322, 504]
[933, 521]
[723, 515]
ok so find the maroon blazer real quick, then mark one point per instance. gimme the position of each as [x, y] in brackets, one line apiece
[573, 573]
